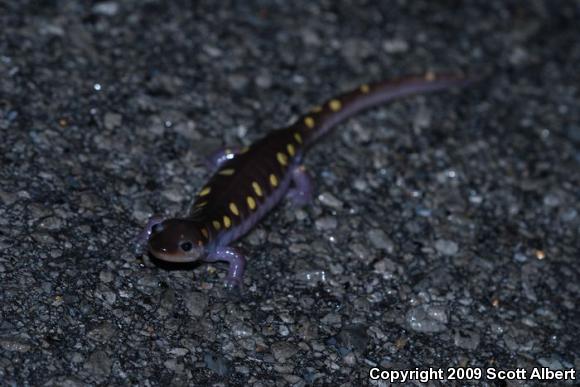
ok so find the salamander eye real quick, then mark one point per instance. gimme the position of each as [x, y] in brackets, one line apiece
[186, 246]
[157, 227]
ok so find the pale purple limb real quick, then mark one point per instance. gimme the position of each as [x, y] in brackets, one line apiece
[237, 264]
[220, 156]
[141, 240]
[303, 190]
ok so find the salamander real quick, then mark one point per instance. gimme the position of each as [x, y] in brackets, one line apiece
[250, 181]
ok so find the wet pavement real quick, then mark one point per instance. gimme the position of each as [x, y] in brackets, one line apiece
[444, 232]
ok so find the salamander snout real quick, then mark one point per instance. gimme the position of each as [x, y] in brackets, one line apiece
[176, 240]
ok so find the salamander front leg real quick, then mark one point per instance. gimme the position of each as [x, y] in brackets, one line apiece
[141, 240]
[237, 264]
[220, 156]
[303, 190]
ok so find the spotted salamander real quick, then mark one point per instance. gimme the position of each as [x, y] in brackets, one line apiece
[249, 181]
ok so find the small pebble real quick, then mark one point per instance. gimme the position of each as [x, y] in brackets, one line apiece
[329, 200]
[241, 330]
[427, 318]
[446, 247]
[106, 8]
[218, 364]
[12, 344]
[99, 364]
[112, 120]
[311, 277]
[467, 340]
[380, 240]
[282, 351]
[551, 200]
[196, 303]
[326, 223]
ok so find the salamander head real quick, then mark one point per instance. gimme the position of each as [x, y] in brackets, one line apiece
[176, 240]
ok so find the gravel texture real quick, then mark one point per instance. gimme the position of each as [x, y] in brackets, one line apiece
[444, 230]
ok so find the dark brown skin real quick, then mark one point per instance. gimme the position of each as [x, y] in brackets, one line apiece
[165, 243]
[249, 182]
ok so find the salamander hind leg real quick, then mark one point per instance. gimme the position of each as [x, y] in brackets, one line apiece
[237, 265]
[302, 192]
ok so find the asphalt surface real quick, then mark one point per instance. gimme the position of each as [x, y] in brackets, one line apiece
[444, 231]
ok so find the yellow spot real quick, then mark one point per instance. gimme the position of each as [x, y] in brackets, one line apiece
[204, 232]
[199, 243]
[216, 224]
[251, 202]
[298, 138]
[273, 180]
[282, 158]
[234, 209]
[365, 88]
[226, 172]
[291, 150]
[335, 105]
[244, 150]
[227, 222]
[201, 204]
[309, 121]
[205, 191]
[257, 188]
[316, 109]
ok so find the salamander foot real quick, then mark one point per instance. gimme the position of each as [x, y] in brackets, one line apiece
[140, 241]
[237, 265]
